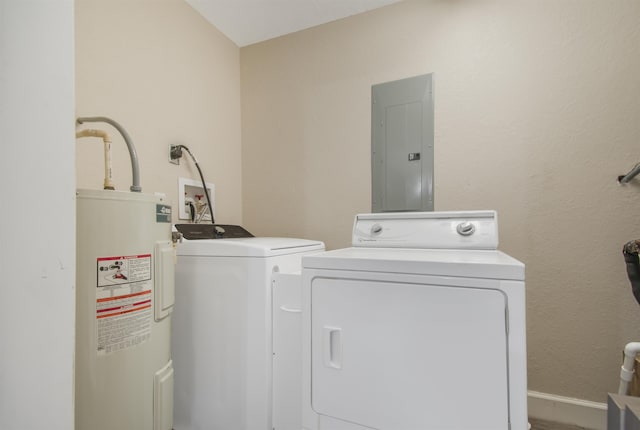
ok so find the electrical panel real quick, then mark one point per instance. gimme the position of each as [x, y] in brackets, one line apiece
[402, 145]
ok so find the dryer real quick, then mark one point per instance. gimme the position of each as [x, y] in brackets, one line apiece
[419, 326]
[222, 331]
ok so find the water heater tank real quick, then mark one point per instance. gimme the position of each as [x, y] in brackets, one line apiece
[124, 298]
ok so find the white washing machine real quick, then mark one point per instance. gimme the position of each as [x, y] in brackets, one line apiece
[419, 326]
[222, 331]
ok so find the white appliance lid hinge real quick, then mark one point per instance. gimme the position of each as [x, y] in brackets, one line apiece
[506, 319]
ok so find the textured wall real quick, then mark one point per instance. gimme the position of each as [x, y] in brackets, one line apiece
[167, 76]
[536, 113]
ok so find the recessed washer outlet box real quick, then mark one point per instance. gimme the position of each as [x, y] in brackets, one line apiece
[189, 190]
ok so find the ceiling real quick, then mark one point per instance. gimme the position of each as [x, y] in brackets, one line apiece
[246, 22]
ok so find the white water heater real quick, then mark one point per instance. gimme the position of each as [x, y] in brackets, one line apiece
[124, 298]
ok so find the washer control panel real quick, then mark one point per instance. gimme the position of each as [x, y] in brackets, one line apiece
[438, 230]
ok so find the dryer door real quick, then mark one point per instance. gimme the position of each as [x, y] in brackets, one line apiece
[407, 356]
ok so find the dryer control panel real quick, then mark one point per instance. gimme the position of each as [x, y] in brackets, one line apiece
[427, 230]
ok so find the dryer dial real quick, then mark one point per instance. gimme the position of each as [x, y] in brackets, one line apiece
[466, 228]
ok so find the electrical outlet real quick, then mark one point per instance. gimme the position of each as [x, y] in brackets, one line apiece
[190, 190]
[172, 158]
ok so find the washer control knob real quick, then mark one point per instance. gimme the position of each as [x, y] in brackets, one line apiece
[466, 228]
[376, 229]
[219, 231]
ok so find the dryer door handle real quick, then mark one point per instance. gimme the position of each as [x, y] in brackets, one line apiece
[291, 310]
[333, 347]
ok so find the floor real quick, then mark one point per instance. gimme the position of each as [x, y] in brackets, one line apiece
[548, 425]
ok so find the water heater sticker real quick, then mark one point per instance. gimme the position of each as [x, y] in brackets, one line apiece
[123, 270]
[123, 302]
[163, 213]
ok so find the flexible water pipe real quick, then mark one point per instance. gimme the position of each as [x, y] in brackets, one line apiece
[108, 176]
[135, 170]
[204, 185]
[626, 371]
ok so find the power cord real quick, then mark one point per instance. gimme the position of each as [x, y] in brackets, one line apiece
[176, 152]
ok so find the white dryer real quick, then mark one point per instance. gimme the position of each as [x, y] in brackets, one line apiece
[419, 326]
[222, 331]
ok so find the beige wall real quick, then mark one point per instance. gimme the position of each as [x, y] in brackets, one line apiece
[536, 113]
[167, 76]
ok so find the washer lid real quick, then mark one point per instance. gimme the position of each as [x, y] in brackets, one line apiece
[487, 264]
[247, 247]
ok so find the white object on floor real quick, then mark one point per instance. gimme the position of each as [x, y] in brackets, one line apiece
[628, 366]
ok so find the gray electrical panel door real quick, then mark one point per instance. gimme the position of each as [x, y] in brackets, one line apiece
[402, 145]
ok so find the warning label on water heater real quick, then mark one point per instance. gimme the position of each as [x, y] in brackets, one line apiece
[123, 302]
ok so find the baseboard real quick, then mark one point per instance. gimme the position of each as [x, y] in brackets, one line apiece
[566, 410]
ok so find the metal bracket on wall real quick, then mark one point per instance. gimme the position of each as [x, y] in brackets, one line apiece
[174, 154]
